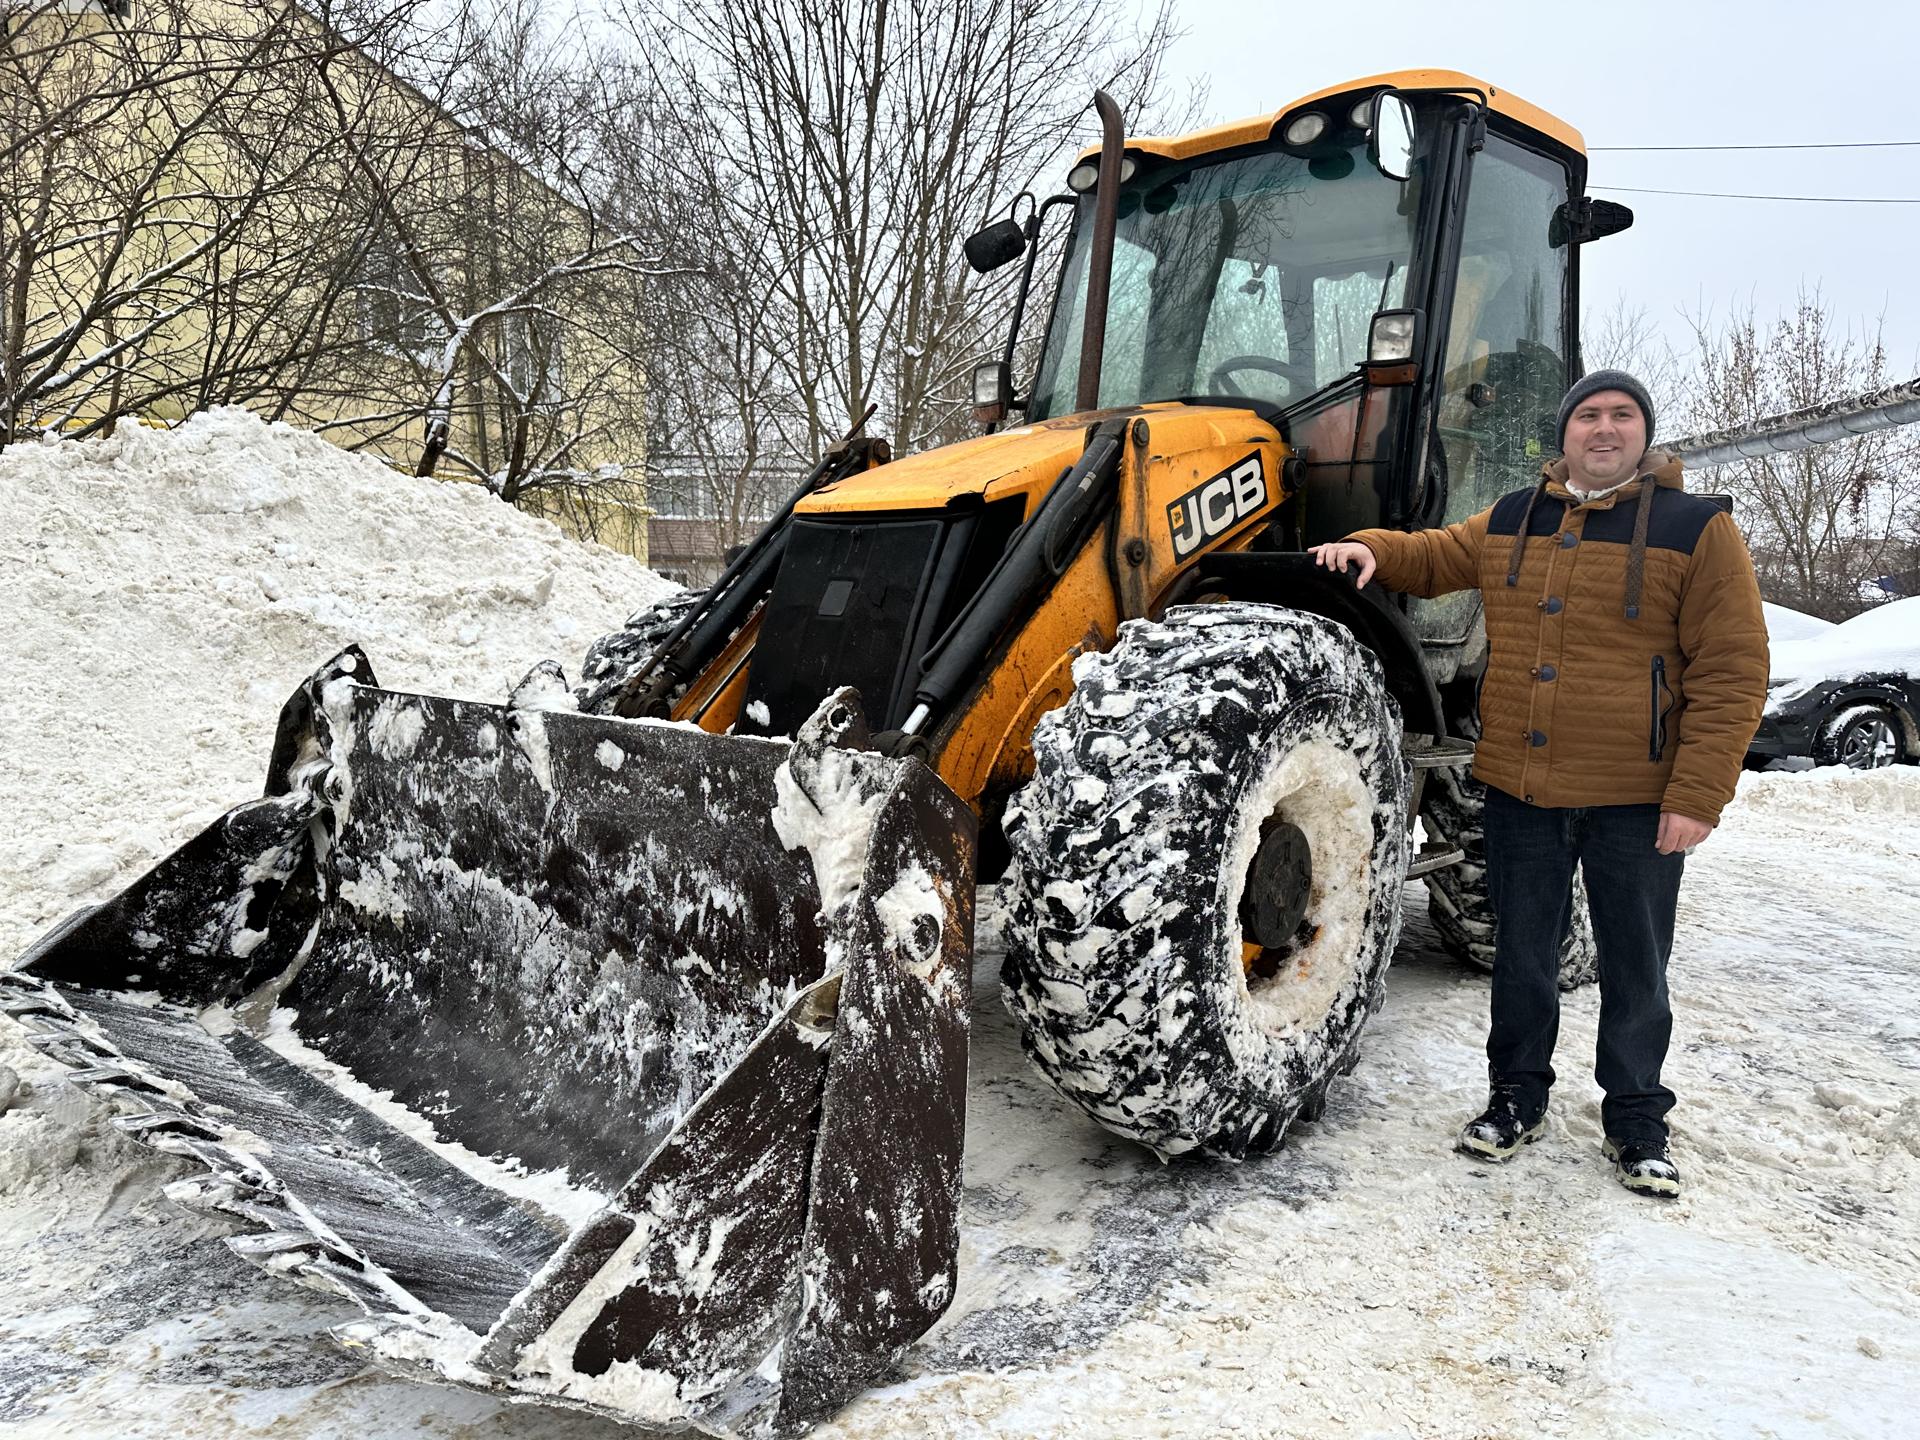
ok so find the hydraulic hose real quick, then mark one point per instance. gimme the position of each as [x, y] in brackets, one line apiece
[1039, 552]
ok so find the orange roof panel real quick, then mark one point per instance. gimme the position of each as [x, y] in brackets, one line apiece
[1257, 128]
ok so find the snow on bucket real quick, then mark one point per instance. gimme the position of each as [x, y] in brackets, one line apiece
[558, 1064]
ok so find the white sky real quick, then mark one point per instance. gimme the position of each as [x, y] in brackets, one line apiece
[1678, 73]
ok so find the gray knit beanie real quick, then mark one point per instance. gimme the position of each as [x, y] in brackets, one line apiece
[1592, 384]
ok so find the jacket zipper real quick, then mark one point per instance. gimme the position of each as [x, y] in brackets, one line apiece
[1656, 712]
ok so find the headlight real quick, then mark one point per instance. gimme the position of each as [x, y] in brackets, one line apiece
[1783, 690]
[989, 383]
[1391, 338]
[1305, 129]
[1084, 176]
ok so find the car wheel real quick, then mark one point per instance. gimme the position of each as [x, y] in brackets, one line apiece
[1861, 737]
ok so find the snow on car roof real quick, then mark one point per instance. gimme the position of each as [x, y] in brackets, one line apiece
[1788, 624]
[1884, 639]
[1897, 620]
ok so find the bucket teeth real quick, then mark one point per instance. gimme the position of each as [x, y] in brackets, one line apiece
[219, 1192]
[304, 1257]
[149, 1125]
[71, 1049]
[34, 1003]
[115, 1077]
[265, 1248]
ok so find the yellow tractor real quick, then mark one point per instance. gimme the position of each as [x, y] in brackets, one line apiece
[609, 1046]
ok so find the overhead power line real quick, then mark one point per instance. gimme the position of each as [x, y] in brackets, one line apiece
[1801, 145]
[1734, 195]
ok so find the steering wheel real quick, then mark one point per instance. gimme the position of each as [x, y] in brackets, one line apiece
[1218, 378]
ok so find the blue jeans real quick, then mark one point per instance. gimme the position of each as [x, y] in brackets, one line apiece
[1632, 890]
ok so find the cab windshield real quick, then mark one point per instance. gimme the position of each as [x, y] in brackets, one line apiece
[1253, 276]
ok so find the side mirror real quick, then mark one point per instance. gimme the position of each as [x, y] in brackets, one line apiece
[1577, 222]
[999, 244]
[1390, 136]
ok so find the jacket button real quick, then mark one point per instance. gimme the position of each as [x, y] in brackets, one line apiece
[1551, 604]
[1545, 672]
[1529, 799]
[1568, 540]
[1536, 738]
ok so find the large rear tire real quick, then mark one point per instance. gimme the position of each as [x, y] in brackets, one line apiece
[1157, 789]
[613, 658]
[1451, 807]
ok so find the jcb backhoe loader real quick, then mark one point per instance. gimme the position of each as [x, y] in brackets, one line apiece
[610, 1049]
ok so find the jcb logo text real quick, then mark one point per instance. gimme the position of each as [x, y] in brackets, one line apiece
[1215, 506]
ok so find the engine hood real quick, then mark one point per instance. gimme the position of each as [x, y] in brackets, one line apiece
[1024, 459]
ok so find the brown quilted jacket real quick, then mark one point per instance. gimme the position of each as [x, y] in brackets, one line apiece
[1628, 652]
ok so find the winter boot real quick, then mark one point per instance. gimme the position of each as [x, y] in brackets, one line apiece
[1502, 1128]
[1644, 1167]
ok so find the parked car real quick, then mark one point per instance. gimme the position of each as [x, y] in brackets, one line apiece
[1845, 694]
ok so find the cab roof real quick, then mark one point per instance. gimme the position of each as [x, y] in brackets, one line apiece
[1258, 128]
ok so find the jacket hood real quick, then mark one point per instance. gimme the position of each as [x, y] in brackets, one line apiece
[1659, 466]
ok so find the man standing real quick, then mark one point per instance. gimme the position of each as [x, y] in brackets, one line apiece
[1627, 670]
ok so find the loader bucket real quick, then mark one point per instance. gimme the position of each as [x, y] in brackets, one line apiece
[528, 1032]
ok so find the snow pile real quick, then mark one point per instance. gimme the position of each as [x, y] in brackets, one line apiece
[162, 592]
[1872, 798]
[1880, 641]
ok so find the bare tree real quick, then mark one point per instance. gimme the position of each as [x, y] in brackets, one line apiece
[1822, 523]
[826, 159]
[500, 289]
[1624, 337]
[161, 184]
[386, 219]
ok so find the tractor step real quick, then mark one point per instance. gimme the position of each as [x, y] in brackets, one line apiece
[1434, 857]
[1441, 753]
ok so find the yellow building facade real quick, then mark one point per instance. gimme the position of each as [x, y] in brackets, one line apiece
[212, 202]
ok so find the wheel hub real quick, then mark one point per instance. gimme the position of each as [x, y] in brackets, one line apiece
[1870, 746]
[1279, 885]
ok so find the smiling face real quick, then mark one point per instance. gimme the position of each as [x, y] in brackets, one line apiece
[1606, 436]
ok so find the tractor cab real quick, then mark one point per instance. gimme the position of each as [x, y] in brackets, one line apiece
[1388, 270]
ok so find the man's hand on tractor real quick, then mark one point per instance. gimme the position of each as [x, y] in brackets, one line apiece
[1679, 832]
[1342, 553]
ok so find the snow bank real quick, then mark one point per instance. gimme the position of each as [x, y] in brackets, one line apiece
[162, 592]
[1819, 796]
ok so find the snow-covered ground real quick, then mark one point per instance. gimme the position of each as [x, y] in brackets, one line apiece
[160, 594]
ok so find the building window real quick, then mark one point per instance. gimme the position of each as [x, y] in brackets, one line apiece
[530, 358]
[394, 313]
